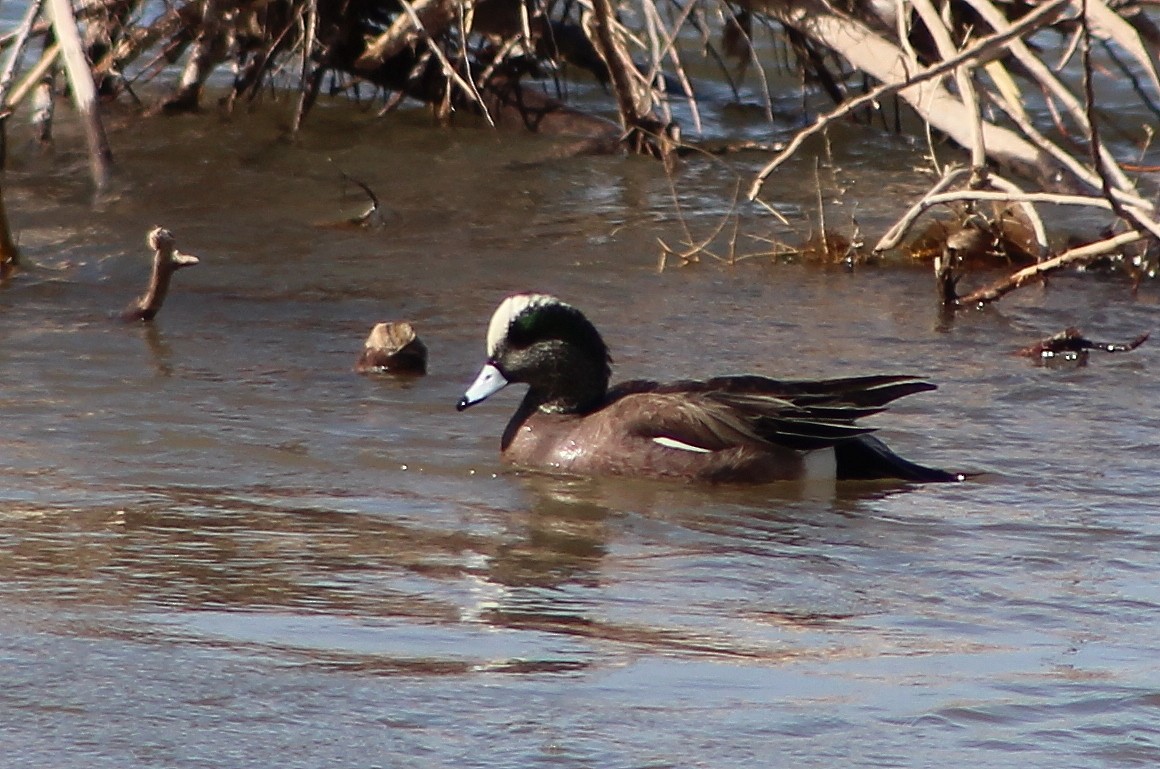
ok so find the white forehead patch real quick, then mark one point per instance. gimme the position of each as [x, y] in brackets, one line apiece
[508, 310]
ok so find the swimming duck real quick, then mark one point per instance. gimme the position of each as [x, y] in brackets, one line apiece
[166, 261]
[731, 429]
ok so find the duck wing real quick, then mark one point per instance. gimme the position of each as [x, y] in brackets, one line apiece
[867, 391]
[803, 415]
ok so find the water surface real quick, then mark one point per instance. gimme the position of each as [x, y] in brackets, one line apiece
[221, 547]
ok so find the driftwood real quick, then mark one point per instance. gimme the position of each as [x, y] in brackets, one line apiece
[166, 261]
[1116, 192]
[16, 50]
[915, 68]
[430, 17]
[208, 50]
[393, 348]
[888, 63]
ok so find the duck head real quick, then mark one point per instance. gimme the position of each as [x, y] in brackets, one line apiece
[538, 340]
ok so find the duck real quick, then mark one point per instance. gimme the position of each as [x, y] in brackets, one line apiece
[740, 429]
[166, 261]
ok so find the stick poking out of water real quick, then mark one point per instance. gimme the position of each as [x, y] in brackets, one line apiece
[166, 261]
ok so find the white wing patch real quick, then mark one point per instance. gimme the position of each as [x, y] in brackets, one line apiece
[820, 465]
[508, 310]
[673, 443]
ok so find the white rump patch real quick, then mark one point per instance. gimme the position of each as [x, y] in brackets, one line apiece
[510, 309]
[820, 465]
[673, 443]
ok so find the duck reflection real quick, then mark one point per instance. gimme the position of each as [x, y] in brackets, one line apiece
[560, 538]
[582, 542]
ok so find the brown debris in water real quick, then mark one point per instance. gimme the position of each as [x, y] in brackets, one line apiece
[393, 348]
[1004, 241]
[1071, 346]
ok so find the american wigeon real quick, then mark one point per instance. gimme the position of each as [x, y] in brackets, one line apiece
[166, 261]
[735, 429]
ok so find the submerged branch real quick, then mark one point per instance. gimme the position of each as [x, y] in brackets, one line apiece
[1069, 258]
[1072, 342]
[167, 259]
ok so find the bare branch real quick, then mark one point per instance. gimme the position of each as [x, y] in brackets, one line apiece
[1001, 288]
[467, 87]
[84, 92]
[883, 60]
[18, 50]
[946, 49]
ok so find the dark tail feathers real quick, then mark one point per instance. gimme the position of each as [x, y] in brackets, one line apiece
[867, 458]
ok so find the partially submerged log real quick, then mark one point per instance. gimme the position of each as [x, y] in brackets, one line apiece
[393, 348]
[166, 261]
[513, 103]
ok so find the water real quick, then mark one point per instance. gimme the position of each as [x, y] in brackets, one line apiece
[221, 547]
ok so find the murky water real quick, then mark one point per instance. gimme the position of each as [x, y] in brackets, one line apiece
[221, 547]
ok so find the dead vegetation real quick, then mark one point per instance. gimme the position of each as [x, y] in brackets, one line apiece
[1027, 115]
